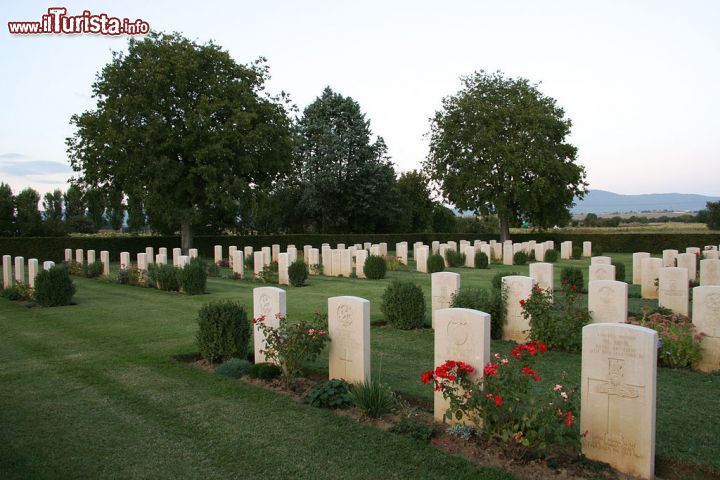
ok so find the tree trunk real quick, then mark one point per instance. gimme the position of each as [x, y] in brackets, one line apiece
[504, 229]
[186, 236]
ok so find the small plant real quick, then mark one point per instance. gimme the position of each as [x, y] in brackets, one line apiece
[403, 305]
[414, 429]
[224, 331]
[213, 270]
[488, 301]
[375, 267]
[54, 287]
[393, 264]
[520, 258]
[551, 256]
[234, 368]
[679, 342]
[316, 269]
[193, 277]
[129, 276]
[481, 260]
[577, 252]
[330, 394]
[269, 273]
[298, 273]
[435, 263]
[571, 277]
[497, 279]
[290, 346]
[164, 277]
[75, 268]
[249, 262]
[373, 398]
[17, 292]
[454, 258]
[619, 271]
[93, 270]
[265, 371]
[556, 322]
[461, 431]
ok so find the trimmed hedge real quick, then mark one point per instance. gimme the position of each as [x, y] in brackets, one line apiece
[52, 248]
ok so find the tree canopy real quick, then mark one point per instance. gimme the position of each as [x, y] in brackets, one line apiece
[498, 147]
[181, 129]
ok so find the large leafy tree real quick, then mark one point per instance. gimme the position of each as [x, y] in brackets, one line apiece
[75, 204]
[96, 207]
[347, 180]
[7, 211]
[181, 128]
[711, 215]
[53, 207]
[416, 206]
[115, 211]
[499, 146]
[29, 221]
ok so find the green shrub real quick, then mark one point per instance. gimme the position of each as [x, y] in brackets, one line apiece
[373, 398]
[597, 249]
[129, 276]
[619, 271]
[435, 263]
[414, 429]
[551, 256]
[497, 279]
[403, 305]
[577, 252]
[488, 301]
[557, 322]
[213, 270]
[269, 273]
[481, 260]
[234, 368]
[19, 291]
[249, 263]
[298, 273]
[224, 331]
[193, 277]
[164, 277]
[75, 268]
[461, 431]
[375, 267]
[93, 270]
[330, 394]
[520, 258]
[572, 277]
[454, 258]
[679, 341]
[54, 287]
[265, 371]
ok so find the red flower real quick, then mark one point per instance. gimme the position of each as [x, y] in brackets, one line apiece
[490, 369]
[542, 347]
[427, 376]
[498, 400]
[489, 395]
[527, 371]
[569, 418]
[522, 302]
[539, 290]
[536, 378]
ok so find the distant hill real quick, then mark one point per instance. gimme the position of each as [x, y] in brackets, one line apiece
[601, 201]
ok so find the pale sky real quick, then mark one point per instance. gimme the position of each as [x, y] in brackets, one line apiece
[638, 79]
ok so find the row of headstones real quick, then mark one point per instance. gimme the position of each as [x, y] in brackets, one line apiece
[709, 267]
[618, 384]
[607, 302]
[17, 275]
[143, 259]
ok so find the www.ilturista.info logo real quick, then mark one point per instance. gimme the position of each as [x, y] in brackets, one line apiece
[57, 21]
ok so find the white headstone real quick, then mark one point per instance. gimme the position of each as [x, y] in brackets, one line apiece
[375, 250]
[469, 252]
[283, 277]
[360, 258]
[336, 259]
[709, 272]
[162, 251]
[462, 335]
[258, 262]
[105, 259]
[238, 264]
[346, 263]
[507, 254]
[601, 271]
[587, 249]
[673, 289]
[366, 246]
[516, 288]
[650, 274]
[566, 250]
[341, 246]
[125, 260]
[184, 260]
[217, 253]
[540, 252]
[176, 254]
[497, 253]
[91, 257]
[20, 269]
[608, 301]
[48, 264]
[68, 255]
[423, 252]
[150, 254]
[712, 255]
[271, 304]
[543, 274]
[443, 286]
[79, 256]
[706, 318]
[435, 246]
[689, 261]
[314, 261]
[668, 257]
[248, 252]
[327, 261]
[349, 330]
[637, 266]
[600, 260]
[32, 271]
[306, 253]
[383, 249]
[267, 256]
[193, 253]
[161, 258]
[274, 252]
[401, 252]
[619, 374]
[141, 262]
[292, 255]
[694, 250]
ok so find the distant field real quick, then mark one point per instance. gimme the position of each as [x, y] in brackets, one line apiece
[670, 227]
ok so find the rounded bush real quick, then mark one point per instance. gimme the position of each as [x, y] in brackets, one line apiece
[619, 271]
[54, 287]
[551, 256]
[520, 258]
[234, 368]
[298, 273]
[497, 279]
[576, 253]
[485, 301]
[454, 258]
[93, 270]
[481, 260]
[224, 331]
[164, 276]
[375, 267]
[435, 263]
[571, 276]
[330, 394]
[403, 305]
[193, 277]
[265, 371]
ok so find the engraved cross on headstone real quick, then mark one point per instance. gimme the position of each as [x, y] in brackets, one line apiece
[614, 386]
[345, 358]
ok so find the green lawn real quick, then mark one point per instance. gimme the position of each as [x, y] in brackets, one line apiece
[91, 391]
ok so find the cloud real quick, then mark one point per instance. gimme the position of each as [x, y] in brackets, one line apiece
[17, 165]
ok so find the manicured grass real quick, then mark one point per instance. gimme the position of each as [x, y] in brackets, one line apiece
[91, 390]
